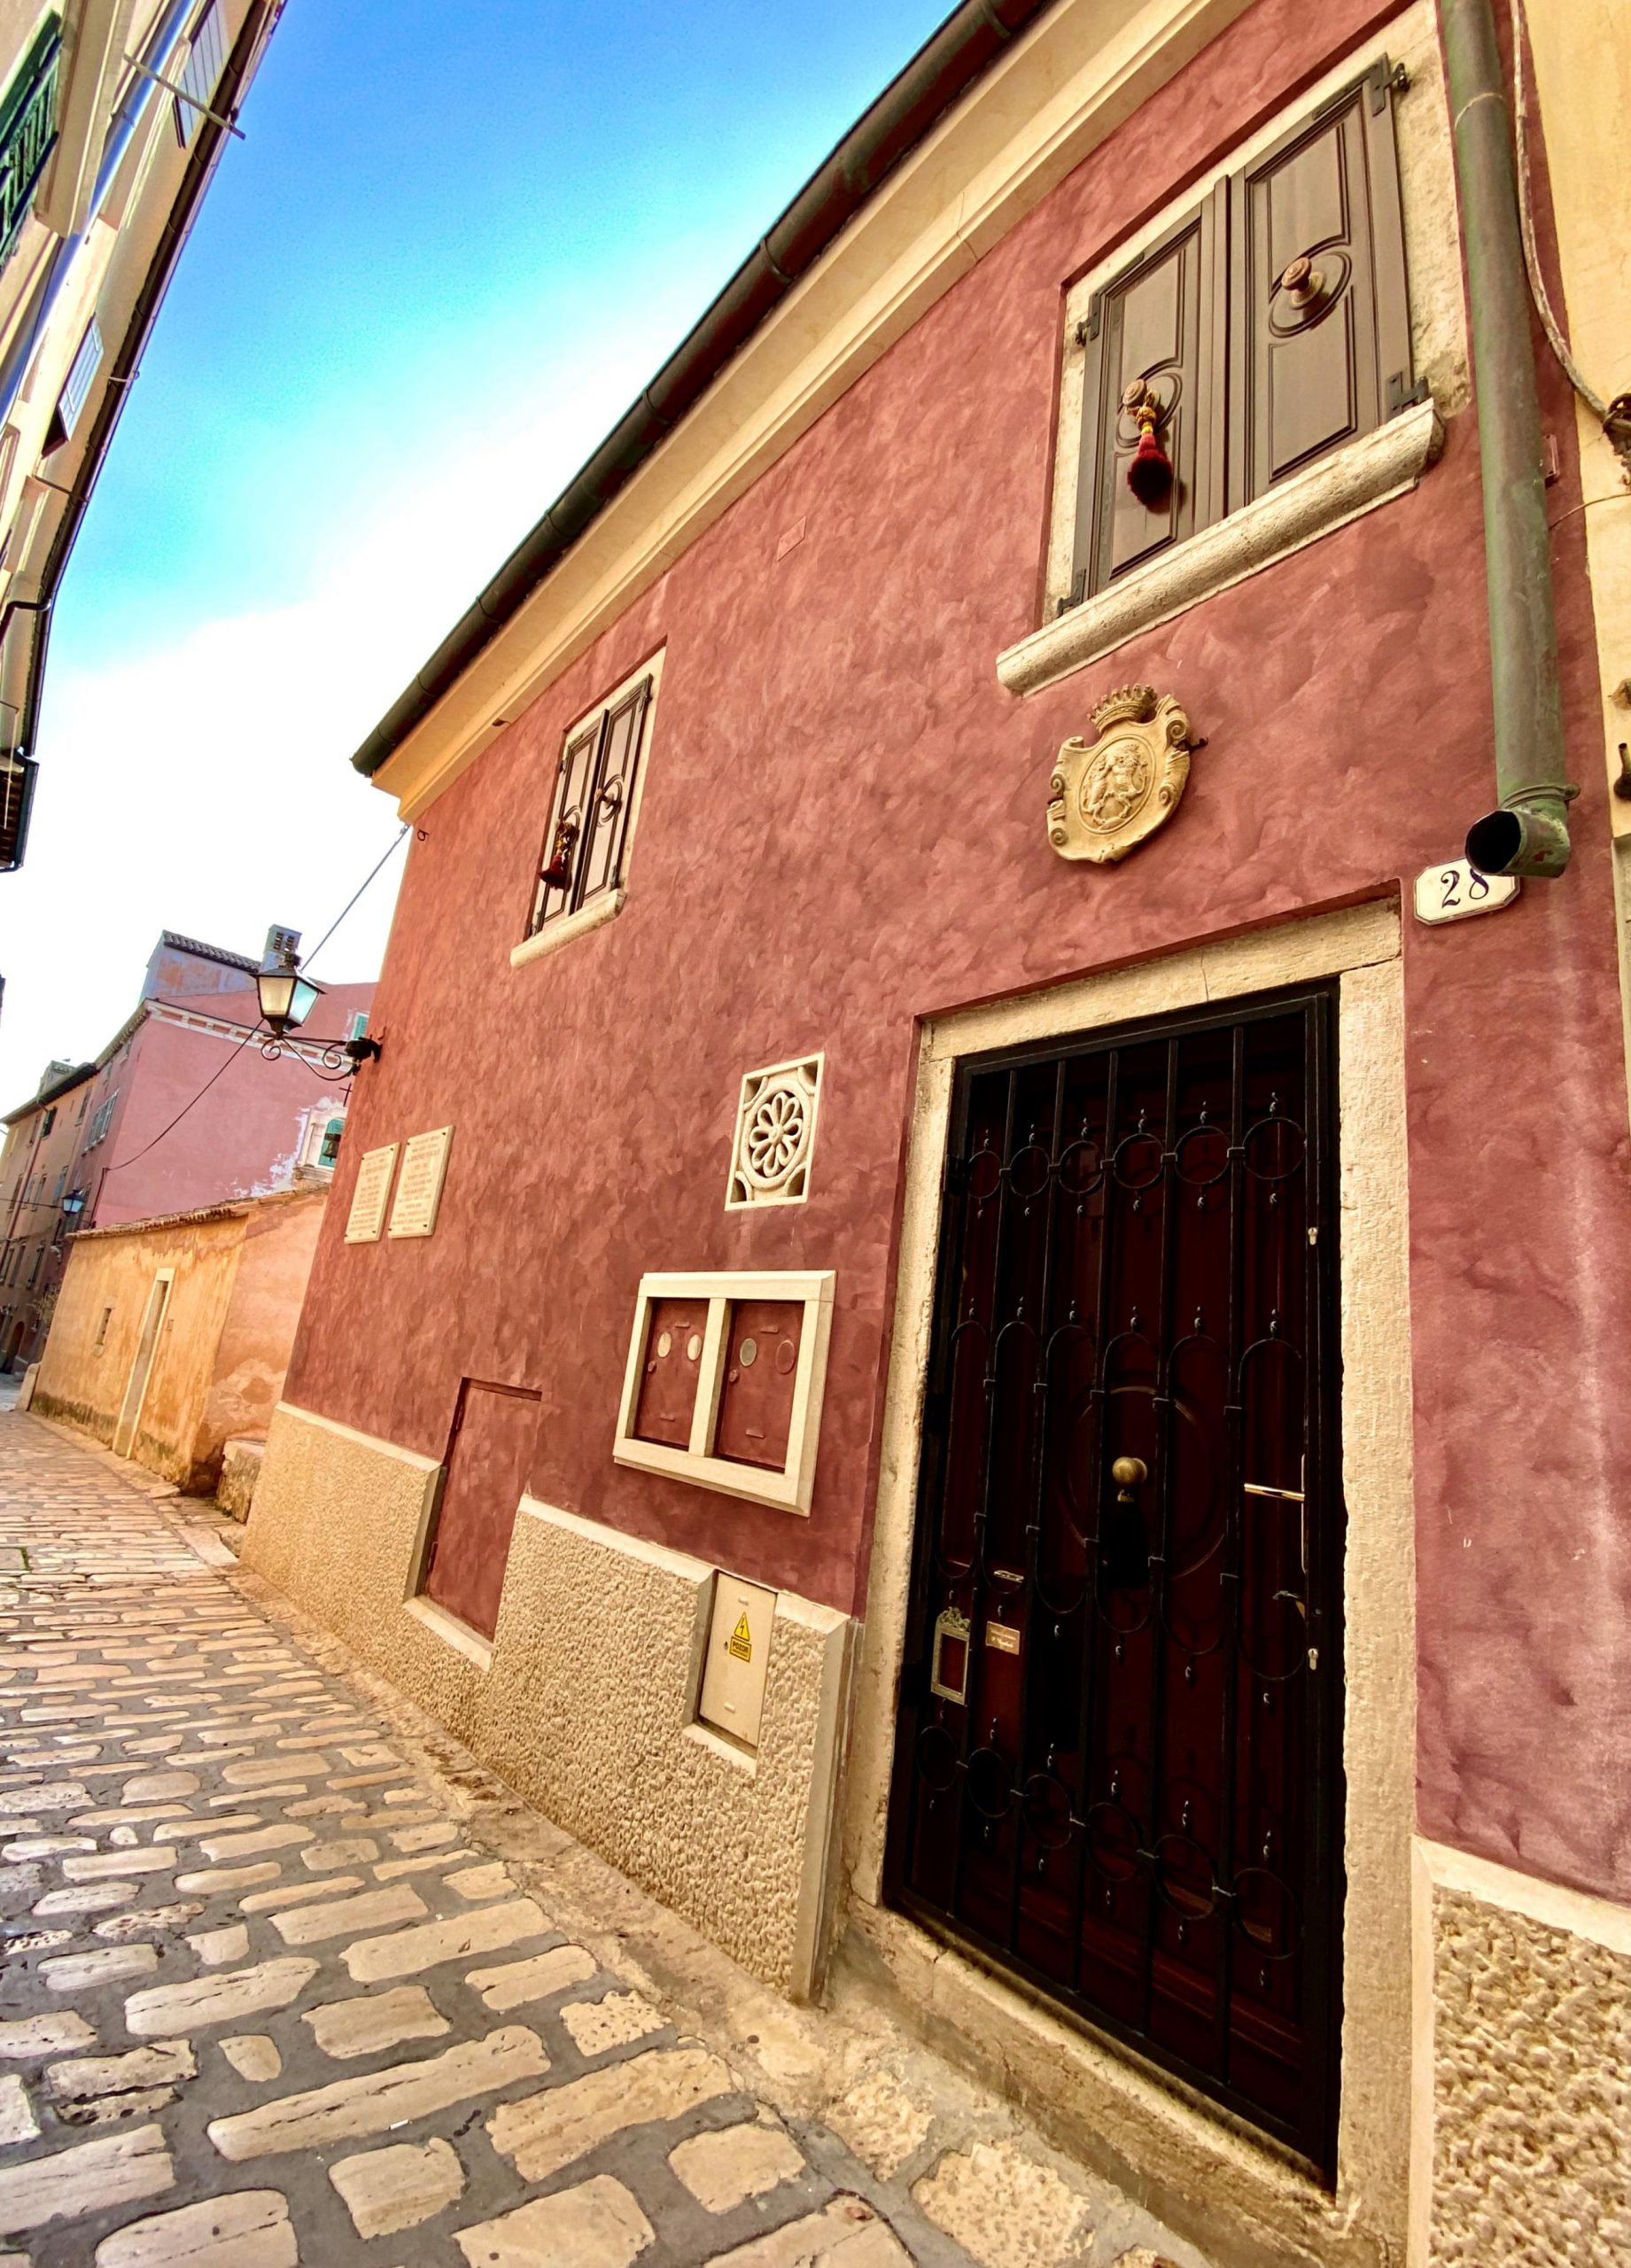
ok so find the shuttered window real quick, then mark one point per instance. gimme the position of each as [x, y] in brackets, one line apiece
[200, 74]
[1270, 326]
[588, 834]
[1158, 327]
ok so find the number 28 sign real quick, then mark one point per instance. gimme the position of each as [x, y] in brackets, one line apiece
[1456, 891]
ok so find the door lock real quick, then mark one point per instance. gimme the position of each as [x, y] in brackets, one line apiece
[1127, 1472]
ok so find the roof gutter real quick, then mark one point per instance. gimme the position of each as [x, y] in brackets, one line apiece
[941, 71]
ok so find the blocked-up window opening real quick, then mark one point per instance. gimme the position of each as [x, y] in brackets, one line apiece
[483, 1474]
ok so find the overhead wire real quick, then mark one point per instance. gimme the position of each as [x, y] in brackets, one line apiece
[352, 900]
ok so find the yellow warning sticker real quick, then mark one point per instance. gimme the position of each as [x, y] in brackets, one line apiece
[740, 1644]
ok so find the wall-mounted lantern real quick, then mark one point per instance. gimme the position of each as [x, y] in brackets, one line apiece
[286, 996]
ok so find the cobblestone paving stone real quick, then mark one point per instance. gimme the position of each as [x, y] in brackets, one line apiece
[262, 2005]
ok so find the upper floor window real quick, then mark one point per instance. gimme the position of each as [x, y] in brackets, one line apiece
[1266, 328]
[359, 1024]
[48, 1121]
[200, 74]
[76, 387]
[102, 1118]
[586, 840]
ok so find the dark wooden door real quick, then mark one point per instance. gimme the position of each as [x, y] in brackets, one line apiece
[1118, 1759]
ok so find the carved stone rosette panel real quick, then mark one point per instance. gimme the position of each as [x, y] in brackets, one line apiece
[774, 1141]
[1106, 797]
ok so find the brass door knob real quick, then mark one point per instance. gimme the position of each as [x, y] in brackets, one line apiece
[1303, 284]
[1127, 1472]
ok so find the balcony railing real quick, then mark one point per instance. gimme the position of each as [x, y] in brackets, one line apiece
[27, 130]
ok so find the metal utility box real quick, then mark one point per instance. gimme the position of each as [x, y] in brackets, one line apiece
[756, 1395]
[672, 1366]
[733, 1695]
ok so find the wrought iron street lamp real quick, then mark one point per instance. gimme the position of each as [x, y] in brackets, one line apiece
[286, 996]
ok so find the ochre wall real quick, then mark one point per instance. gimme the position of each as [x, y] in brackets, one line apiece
[843, 831]
[219, 1366]
[87, 1386]
[251, 1355]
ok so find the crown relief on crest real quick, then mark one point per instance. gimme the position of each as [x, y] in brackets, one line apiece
[1107, 795]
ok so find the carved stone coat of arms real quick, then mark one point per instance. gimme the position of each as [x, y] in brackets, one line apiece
[1107, 795]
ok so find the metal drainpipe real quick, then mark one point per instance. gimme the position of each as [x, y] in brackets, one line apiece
[1529, 833]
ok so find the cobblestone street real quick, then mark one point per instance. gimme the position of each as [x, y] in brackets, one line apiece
[267, 2001]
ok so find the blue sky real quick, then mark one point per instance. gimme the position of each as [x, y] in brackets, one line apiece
[455, 242]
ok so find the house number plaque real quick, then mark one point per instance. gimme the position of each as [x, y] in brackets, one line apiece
[1456, 891]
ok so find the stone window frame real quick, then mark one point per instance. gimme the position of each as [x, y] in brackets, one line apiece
[788, 1490]
[1355, 478]
[553, 935]
[1109, 2101]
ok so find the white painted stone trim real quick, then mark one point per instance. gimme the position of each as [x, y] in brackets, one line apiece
[558, 934]
[375, 1442]
[1575, 1913]
[790, 1490]
[1103, 2099]
[1371, 471]
[452, 1632]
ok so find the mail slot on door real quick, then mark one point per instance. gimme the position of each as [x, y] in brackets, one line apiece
[755, 1398]
[670, 1368]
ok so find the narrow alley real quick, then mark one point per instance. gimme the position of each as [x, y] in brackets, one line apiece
[271, 1999]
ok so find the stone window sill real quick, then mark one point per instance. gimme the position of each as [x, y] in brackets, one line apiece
[1385, 464]
[562, 933]
[452, 1632]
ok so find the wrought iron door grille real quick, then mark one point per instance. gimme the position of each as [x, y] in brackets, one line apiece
[1117, 1765]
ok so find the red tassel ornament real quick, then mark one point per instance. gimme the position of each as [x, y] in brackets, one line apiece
[1149, 476]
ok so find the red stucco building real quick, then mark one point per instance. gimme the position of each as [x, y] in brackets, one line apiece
[958, 1323]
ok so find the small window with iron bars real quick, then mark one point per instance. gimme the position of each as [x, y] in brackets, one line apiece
[587, 839]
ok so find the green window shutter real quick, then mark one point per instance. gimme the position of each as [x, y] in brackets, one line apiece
[1160, 324]
[1316, 352]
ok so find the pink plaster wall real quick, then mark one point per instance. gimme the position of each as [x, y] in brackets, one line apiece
[843, 831]
[239, 1140]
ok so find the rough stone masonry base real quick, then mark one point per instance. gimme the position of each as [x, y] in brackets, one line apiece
[585, 1701]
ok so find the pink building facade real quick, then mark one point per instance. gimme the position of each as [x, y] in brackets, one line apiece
[964, 1321]
[148, 1129]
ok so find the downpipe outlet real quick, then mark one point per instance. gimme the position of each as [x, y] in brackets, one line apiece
[1529, 835]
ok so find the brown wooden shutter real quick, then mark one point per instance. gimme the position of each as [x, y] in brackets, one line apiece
[607, 821]
[571, 795]
[1307, 378]
[1161, 321]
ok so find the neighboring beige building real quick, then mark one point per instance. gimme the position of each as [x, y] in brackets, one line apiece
[171, 1337]
[112, 115]
[1579, 94]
